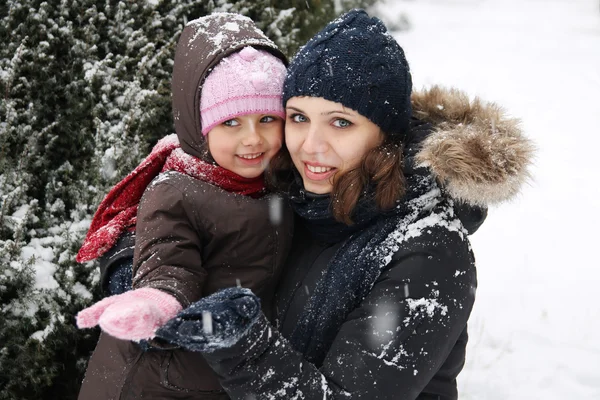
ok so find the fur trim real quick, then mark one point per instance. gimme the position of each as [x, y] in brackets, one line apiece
[478, 153]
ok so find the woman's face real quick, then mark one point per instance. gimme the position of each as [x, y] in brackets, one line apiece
[324, 138]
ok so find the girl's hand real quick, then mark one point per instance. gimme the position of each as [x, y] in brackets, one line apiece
[133, 315]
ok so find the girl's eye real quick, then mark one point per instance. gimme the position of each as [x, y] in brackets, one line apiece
[342, 123]
[267, 118]
[231, 122]
[298, 118]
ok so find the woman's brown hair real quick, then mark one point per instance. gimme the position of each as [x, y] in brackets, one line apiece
[380, 167]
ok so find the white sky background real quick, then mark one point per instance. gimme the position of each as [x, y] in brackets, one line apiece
[536, 320]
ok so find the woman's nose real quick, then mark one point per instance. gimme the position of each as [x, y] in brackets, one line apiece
[314, 142]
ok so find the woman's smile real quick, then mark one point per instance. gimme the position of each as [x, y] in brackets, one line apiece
[318, 172]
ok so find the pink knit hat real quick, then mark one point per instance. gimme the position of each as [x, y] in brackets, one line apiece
[249, 81]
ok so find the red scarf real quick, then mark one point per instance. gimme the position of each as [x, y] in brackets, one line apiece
[118, 211]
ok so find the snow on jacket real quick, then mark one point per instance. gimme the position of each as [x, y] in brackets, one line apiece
[406, 340]
[192, 238]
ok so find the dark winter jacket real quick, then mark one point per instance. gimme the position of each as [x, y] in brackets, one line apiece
[192, 238]
[406, 339]
[116, 266]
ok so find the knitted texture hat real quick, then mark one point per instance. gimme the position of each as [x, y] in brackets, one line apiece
[247, 82]
[356, 62]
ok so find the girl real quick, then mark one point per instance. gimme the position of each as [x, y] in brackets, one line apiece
[381, 279]
[203, 223]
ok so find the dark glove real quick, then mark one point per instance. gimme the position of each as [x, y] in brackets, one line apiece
[119, 280]
[231, 312]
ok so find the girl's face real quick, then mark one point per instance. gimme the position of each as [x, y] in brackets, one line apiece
[324, 138]
[246, 144]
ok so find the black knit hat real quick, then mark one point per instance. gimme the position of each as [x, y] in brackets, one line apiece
[356, 62]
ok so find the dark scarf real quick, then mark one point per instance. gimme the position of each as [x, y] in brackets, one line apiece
[315, 211]
[117, 212]
[366, 249]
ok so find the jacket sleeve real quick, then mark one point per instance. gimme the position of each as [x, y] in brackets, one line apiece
[389, 347]
[168, 249]
[115, 259]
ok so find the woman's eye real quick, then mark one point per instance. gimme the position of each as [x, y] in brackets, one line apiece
[267, 118]
[342, 123]
[298, 118]
[231, 122]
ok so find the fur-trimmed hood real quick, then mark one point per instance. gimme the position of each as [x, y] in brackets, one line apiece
[475, 151]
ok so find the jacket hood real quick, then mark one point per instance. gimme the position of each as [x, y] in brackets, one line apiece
[204, 42]
[475, 151]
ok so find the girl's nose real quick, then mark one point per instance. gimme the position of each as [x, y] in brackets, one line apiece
[252, 135]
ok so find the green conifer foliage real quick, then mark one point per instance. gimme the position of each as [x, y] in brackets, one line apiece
[84, 94]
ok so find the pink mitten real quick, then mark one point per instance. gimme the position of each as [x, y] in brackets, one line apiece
[133, 315]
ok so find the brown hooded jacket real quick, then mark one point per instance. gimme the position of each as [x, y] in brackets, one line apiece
[193, 238]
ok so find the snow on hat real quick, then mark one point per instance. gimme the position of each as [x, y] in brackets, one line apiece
[356, 62]
[247, 82]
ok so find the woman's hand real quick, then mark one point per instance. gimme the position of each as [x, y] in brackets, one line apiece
[133, 315]
[213, 322]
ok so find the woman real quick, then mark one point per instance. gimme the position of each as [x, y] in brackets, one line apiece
[381, 279]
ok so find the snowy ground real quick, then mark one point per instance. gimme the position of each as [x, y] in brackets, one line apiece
[534, 330]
